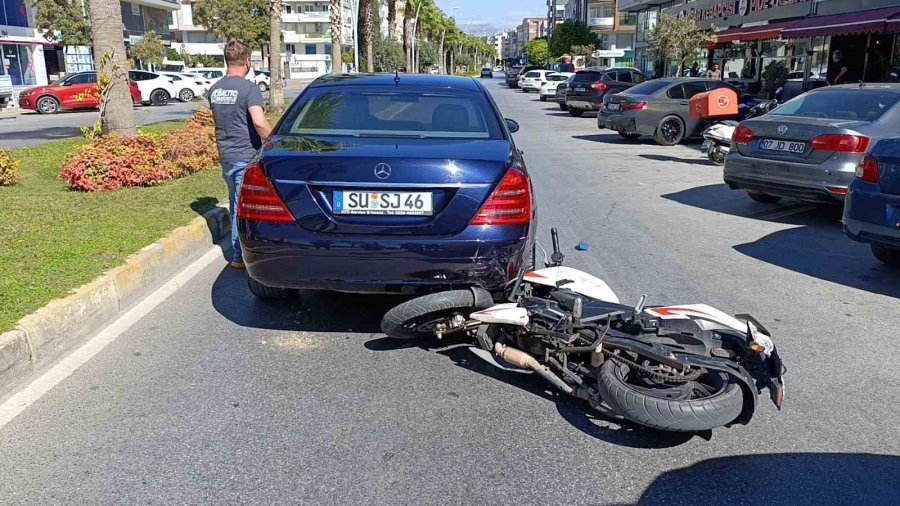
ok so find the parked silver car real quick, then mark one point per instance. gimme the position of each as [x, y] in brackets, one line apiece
[809, 147]
[659, 107]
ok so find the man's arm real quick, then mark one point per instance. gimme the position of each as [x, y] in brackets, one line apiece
[840, 77]
[260, 123]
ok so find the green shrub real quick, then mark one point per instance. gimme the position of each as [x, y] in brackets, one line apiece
[9, 168]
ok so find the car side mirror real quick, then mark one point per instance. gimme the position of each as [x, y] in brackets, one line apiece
[512, 124]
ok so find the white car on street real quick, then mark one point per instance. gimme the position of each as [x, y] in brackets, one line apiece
[211, 74]
[260, 77]
[552, 81]
[187, 87]
[533, 79]
[156, 89]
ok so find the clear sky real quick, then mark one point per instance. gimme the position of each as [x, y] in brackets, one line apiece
[492, 14]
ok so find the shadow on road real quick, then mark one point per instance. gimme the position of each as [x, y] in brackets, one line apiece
[817, 247]
[678, 159]
[780, 478]
[613, 138]
[578, 413]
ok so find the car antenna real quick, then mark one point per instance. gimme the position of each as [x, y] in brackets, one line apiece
[397, 77]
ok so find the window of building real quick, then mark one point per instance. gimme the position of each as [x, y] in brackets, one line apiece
[15, 61]
[290, 48]
[287, 8]
[135, 10]
[187, 14]
[310, 49]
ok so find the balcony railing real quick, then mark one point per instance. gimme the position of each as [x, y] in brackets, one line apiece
[602, 22]
[306, 17]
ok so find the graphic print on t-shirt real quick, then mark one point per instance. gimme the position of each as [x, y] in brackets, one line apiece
[223, 97]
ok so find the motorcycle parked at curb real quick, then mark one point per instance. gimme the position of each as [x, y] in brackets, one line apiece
[717, 137]
[682, 368]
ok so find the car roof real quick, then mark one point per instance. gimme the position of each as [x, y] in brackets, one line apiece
[879, 86]
[385, 79]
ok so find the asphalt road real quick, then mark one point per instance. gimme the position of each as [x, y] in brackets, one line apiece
[28, 128]
[215, 397]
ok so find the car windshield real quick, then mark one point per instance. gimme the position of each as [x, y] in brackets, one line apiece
[584, 77]
[849, 104]
[648, 87]
[379, 112]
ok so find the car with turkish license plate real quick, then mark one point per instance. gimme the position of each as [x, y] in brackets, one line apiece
[589, 86]
[561, 90]
[810, 147]
[531, 80]
[551, 83]
[659, 108]
[384, 183]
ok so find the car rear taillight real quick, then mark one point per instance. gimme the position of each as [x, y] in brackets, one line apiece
[841, 142]
[509, 203]
[258, 199]
[742, 134]
[599, 86]
[868, 169]
[638, 106]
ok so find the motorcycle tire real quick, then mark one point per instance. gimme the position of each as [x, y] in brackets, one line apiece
[416, 318]
[716, 156]
[675, 415]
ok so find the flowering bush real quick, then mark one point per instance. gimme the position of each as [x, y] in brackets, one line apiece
[203, 117]
[190, 150]
[112, 162]
[9, 168]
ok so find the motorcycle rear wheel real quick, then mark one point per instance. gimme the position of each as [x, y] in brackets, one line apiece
[716, 155]
[667, 409]
[416, 318]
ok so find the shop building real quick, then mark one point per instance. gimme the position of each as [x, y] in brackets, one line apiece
[21, 47]
[793, 44]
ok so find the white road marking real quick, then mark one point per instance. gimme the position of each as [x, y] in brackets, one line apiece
[30, 394]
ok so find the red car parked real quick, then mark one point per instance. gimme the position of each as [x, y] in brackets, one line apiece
[75, 91]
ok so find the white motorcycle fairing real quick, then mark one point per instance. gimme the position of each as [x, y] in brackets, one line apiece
[506, 314]
[579, 282]
[704, 312]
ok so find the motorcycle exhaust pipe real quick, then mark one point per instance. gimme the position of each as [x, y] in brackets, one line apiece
[519, 358]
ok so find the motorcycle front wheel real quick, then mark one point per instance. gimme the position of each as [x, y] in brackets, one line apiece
[417, 318]
[712, 400]
[716, 155]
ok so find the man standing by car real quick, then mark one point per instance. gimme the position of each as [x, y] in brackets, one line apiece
[237, 106]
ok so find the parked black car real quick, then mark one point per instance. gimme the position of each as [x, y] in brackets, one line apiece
[512, 75]
[487, 73]
[588, 87]
[561, 93]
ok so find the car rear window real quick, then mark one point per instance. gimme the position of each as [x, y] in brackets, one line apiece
[373, 112]
[849, 104]
[648, 87]
[585, 77]
[556, 78]
[532, 74]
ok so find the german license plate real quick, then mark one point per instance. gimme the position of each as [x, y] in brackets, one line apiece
[613, 107]
[786, 146]
[379, 202]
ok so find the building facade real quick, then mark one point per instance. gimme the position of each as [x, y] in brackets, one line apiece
[756, 38]
[556, 13]
[21, 47]
[530, 29]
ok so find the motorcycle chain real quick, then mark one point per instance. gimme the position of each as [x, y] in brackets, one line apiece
[674, 378]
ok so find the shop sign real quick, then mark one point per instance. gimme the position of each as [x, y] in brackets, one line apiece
[608, 53]
[757, 10]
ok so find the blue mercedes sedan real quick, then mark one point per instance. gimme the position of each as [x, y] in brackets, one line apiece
[872, 205]
[393, 183]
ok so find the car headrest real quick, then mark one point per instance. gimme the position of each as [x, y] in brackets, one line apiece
[450, 118]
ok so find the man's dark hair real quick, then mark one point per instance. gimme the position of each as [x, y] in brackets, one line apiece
[236, 53]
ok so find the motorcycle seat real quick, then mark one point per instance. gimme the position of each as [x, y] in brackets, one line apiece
[589, 307]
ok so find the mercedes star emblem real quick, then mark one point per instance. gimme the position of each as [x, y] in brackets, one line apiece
[782, 129]
[382, 171]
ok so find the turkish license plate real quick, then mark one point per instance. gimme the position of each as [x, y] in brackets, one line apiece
[380, 202]
[579, 88]
[786, 146]
[613, 107]
[705, 146]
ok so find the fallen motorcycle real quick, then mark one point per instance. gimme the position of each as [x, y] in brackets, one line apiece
[682, 368]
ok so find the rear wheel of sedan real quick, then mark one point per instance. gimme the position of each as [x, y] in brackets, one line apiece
[47, 105]
[524, 90]
[159, 97]
[886, 255]
[185, 95]
[576, 112]
[562, 107]
[262, 291]
[629, 136]
[764, 198]
[543, 99]
[669, 131]
[418, 317]
[263, 86]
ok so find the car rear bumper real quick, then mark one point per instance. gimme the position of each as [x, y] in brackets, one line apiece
[872, 216]
[585, 104]
[786, 179]
[529, 86]
[618, 122]
[481, 256]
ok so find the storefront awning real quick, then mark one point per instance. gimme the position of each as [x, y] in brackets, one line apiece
[762, 32]
[870, 21]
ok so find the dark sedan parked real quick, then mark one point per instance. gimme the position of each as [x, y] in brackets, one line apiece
[370, 184]
[561, 93]
[589, 86]
[658, 108]
[513, 74]
[872, 206]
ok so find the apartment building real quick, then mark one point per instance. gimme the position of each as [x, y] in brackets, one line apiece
[530, 29]
[616, 29]
[306, 37]
[498, 40]
[556, 13]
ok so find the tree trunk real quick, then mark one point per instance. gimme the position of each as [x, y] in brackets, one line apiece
[337, 14]
[110, 59]
[369, 32]
[276, 85]
[407, 41]
[397, 23]
[442, 65]
[452, 67]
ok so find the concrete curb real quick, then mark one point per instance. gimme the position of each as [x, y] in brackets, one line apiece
[47, 334]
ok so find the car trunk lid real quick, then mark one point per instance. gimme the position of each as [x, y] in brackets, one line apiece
[311, 173]
[887, 152]
[798, 139]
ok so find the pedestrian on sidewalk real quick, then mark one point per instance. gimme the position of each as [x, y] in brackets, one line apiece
[237, 106]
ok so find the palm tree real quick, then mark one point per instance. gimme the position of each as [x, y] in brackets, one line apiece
[109, 52]
[276, 88]
[396, 19]
[368, 32]
[337, 23]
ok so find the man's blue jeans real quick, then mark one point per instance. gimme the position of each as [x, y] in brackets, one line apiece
[233, 173]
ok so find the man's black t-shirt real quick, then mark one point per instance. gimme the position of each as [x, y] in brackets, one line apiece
[230, 100]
